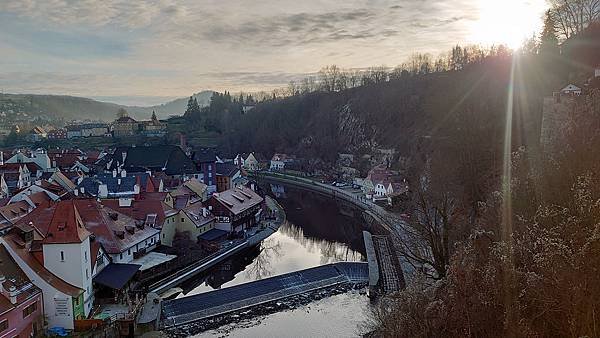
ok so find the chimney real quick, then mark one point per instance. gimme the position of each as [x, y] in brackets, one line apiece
[123, 173]
[12, 293]
[119, 181]
[124, 155]
[114, 173]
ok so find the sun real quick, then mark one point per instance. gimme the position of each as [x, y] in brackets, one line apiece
[507, 22]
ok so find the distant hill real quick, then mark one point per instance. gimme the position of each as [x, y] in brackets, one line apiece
[175, 107]
[80, 108]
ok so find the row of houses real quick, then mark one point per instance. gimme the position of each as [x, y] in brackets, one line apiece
[124, 126]
[69, 245]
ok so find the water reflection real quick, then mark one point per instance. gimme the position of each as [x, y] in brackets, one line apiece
[316, 233]
[262, 267]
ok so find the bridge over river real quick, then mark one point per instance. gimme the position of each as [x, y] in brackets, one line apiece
[207, 305]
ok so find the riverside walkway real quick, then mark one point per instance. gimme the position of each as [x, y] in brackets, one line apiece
[245, 296]
[251, 240]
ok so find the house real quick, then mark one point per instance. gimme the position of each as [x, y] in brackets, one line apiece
[57, 253]
[94, 129]
[16, 175]
[279, 161]
[167, 159]
[21, 306]
[57, 134]
[62, 302]
[122, 237]
[11, 213]
[251, 162]
[114, 185]
[238, 160]
[35, 196]
[194, 190]
[125, 126]
[227, 174]
[571, 90]
[58, 178]
[195, 219]
[37, 134]
[155, 209]
[236, 209]
[64, 159]
[73, 131]
[382, 184]
[205, 160]
[39, 157]
[154, 127]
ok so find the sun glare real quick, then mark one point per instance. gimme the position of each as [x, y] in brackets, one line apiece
[507, 22]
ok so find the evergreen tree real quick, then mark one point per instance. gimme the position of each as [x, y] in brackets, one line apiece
[548, 39]
[190, 106]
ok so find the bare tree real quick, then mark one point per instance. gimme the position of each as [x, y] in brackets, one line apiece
[573, 16]
[425, 241]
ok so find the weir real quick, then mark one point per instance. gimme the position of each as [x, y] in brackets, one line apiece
[191, 309]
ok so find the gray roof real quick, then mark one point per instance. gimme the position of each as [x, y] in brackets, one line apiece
[91, 184]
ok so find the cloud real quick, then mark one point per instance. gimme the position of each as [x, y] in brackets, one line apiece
[177, 47]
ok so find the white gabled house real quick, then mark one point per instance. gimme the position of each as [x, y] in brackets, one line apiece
[571, 89]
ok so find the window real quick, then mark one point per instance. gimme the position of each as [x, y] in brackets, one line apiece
[121, 255]
[87, 274]
[3, 325]
[182, 219]
[29, 310]
[163, 236]
[62, 256]
[85, 255]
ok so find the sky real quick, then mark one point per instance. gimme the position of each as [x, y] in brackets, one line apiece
[147, 52]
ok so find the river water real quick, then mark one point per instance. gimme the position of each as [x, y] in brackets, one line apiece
[317, 231]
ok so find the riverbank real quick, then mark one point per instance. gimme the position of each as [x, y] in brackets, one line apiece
[392, 224]
[386, 218]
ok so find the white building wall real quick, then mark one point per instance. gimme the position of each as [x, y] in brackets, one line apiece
[74, 269]
[54, 310]
[126, 256]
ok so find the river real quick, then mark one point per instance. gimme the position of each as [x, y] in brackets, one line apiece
[317, 232]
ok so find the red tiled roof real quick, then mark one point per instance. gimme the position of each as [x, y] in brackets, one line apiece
[140, 209]
[105, 223]
[58, 223]
[66, 225]
[40, 199]
[13, 212]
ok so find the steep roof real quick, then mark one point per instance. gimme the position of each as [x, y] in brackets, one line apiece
[140, 209]
[115, 185]
[38, 268]
[168, 158]
[227, 169]
[66, 225]
[114, 230]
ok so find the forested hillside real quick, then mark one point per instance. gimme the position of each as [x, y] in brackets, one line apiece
[68, 108]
